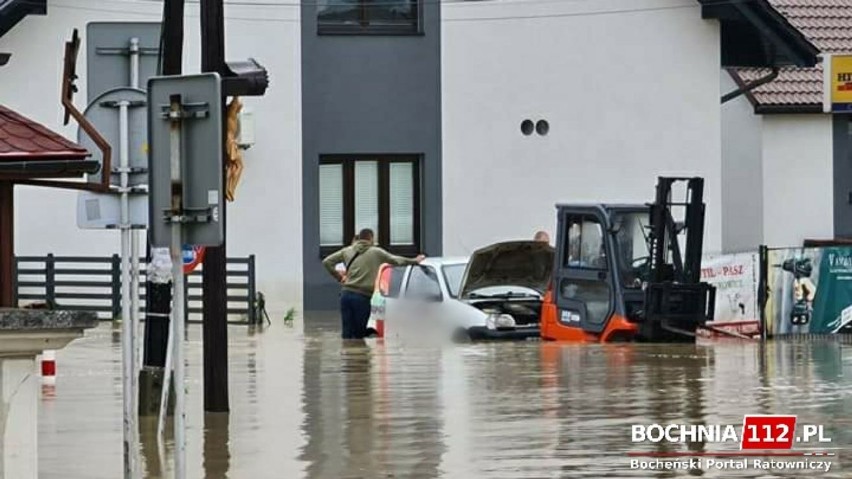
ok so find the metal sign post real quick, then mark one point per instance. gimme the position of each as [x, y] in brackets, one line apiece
[127, 335]
[185, 133]
[129, 278]
[179, 316]
[121, 56]
[135, 53]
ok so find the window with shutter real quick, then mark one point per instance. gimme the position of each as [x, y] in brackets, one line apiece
[379, 192]
[401, 205]
[367, 197]
[331, 205]
[368, 17]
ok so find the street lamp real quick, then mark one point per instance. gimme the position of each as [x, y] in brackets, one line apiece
[245, 78]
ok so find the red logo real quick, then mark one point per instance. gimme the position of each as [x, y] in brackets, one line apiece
[768, 432]
[193, 256]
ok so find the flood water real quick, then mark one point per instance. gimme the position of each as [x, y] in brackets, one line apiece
[305, 405]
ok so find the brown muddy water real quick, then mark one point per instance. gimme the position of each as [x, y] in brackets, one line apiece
[303, 405]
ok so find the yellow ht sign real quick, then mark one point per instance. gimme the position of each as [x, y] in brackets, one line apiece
[837, 71]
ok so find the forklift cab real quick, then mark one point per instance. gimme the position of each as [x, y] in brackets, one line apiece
[602, 261]
[627, 272]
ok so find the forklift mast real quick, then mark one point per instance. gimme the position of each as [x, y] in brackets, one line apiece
[665, 231]
[676, 301]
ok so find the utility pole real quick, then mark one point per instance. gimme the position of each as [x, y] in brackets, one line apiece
[215, 291]
[159, 295]
[7, 231]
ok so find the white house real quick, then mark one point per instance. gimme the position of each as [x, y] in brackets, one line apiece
[789, 165]
[443, 126]
[265, 219]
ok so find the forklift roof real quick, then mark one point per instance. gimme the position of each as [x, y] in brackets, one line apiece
[606, 206]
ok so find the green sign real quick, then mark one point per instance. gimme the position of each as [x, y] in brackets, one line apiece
[833, 302]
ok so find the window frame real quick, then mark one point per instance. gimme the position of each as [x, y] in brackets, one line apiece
[395, 271]
[364, 27]
[434, 274]
[383, 162]
[444, 267]
[581, 219]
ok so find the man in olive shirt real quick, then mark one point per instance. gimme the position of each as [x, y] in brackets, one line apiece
[362, 260]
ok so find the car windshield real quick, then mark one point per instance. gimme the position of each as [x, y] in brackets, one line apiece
[632, 244]
[453, 275]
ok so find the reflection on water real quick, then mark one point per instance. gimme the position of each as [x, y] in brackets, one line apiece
[308, 405]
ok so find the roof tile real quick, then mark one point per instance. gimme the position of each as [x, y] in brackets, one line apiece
[825, 23]
[24, 139]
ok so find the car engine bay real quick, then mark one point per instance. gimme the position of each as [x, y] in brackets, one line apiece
[524, 312]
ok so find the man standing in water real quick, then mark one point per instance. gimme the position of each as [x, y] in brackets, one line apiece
[362, 260]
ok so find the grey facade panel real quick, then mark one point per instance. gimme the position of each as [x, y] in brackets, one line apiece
[369, 94]
[742, 174]
[842, 136]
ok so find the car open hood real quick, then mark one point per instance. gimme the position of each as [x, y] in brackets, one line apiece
[513, 263]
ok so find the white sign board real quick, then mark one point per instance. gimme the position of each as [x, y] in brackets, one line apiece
[101, 211]
[736, 279]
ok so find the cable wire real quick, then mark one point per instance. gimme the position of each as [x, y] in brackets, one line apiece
[148, 3]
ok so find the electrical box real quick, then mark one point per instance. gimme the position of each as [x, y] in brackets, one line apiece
[245, 138]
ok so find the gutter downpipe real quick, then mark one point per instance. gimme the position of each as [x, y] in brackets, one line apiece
[751, 86]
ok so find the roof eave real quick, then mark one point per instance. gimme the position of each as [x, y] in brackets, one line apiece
[797, 44]
[11, 13]
[805, 108]
[779, 43]
[51, 156]
[13, 170]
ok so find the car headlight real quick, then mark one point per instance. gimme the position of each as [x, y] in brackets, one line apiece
[499, 321]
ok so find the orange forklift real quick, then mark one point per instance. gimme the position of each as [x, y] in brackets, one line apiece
[630, 272]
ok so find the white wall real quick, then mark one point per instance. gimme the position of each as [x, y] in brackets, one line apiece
[629, 96]
[742, 173]
[265, 219]
[797, 179]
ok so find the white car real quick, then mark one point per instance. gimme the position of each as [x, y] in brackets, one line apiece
[497, 294]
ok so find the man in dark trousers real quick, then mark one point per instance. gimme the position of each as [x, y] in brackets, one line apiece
[362, 260]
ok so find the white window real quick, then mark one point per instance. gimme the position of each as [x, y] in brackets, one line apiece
[380, 192]
[331, 204]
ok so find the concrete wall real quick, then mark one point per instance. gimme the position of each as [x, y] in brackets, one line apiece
[629, 95]
[369, 94]
[742, 173]
[798, 196]
[265, 219]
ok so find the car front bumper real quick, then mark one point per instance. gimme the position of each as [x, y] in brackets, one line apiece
[478, 333]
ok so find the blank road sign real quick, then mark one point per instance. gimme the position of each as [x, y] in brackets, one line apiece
[103, 112]
[103, 210]
[200, 156]
[108, 56]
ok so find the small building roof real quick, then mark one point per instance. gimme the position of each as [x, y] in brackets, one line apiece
[827, 24]
[22, 139]
[29, 150]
